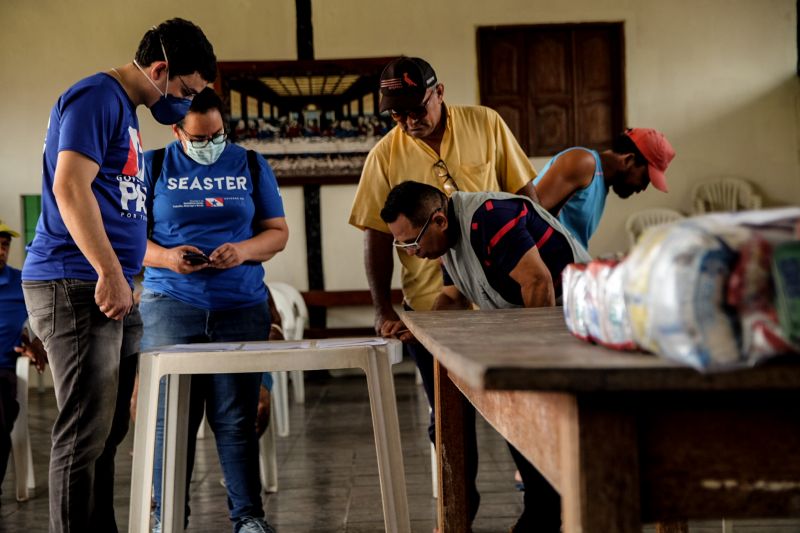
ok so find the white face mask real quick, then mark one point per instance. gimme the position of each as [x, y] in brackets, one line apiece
[206, 155]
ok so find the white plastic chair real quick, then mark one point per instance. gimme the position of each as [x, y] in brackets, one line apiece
[648, 218]
[268, 457]
[726, 194]
[295, 330]
[20, 437]
[280, 380]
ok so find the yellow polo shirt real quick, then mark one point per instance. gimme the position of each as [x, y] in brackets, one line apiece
[481, 154]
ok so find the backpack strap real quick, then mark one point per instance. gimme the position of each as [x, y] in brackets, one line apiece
[255, 175]
[158, 163]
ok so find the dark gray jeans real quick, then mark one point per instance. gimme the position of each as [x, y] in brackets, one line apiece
[93, 360]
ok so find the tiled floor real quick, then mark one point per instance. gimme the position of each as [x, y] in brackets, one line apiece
[328, 477]
[327, 471]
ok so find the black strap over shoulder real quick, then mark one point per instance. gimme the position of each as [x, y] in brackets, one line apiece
[158, 163]
[255, 175]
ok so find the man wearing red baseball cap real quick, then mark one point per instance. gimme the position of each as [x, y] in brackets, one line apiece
[574, 184]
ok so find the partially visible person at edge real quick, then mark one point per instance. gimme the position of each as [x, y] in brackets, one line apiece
[14, 341]
[204, 282]
[574, 184]
[498, 251]
[466, 148]
[90, 242]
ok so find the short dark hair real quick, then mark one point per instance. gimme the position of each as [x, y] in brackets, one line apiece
[625, 145]
[6, 234]
[414, 200]
[203, 102]
[187, 48]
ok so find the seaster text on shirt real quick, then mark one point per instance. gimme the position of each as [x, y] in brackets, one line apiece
[223, 183]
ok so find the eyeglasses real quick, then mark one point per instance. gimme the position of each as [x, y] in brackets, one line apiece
[187, 91]
[416, 113]
[448, 183]
[414, 246]
[217, 138]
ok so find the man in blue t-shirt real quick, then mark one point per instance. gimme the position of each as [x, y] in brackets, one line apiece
[13, 342]
[574, 184]
[498, 251]
[89, 243]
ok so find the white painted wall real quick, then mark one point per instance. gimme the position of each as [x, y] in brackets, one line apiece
[717, 76]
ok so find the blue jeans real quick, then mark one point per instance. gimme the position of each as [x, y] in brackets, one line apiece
[230, 401]
[93, 360]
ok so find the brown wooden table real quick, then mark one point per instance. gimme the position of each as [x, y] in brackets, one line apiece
[626, 438]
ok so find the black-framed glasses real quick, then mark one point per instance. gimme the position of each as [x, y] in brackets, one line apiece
[448, 183]
[188, 91]
[217, 138]
[414, 246]
[416, 113]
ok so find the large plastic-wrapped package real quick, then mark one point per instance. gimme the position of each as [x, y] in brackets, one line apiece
[675, 296]
[676, 287]
[594, 304]
[751, 292]
[594, 308]
[617, 332]
[573, 282]
[786, 273]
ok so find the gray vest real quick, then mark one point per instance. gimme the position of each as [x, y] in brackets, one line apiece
[463, 265]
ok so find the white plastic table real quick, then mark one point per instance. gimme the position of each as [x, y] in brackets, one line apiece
[374, 356]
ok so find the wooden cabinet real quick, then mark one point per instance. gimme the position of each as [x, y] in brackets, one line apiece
[556, 86]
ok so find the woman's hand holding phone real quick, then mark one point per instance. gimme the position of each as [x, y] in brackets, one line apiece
[186, 259]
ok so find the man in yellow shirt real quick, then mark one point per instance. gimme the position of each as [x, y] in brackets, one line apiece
[464, 148]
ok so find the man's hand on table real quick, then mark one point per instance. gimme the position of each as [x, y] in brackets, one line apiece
[396, 329]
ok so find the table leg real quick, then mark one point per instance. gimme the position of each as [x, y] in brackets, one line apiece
[600, 474]
[144, 442]
[176, 421]
[386, 427]
[450, 437]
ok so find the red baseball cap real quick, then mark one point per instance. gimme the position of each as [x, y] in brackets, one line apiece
[658, 152]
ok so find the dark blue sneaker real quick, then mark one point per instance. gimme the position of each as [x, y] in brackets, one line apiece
[250, 524]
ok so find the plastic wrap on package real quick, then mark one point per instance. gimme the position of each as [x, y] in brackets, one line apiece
[616, 326]
[786, 272]
[573, 282]
[594, 310]
[752, 293]
[675, 292]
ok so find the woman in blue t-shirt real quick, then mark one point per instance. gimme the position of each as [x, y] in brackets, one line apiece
[212, 225]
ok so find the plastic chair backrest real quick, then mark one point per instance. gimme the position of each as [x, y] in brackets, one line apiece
[726, 194]
[295, 312]
[638, 222]
[284, 307]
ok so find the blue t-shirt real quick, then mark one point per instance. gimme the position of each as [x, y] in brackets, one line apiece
[207, 206]
[582, 212]
[97, 119]
[501, 232]
[12, 315]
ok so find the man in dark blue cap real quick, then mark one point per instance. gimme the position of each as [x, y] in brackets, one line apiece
[452, 148]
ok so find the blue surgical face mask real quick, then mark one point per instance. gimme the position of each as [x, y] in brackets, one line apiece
[168, 109]
[207, 155]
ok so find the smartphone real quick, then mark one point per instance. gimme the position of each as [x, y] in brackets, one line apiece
[194, 258]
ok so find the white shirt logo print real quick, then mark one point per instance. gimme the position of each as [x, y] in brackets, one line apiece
[131, 180]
